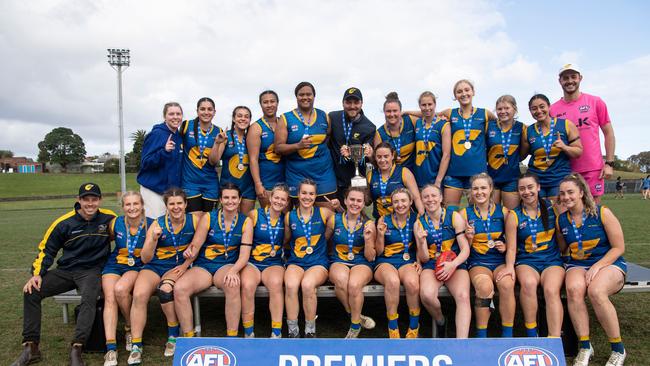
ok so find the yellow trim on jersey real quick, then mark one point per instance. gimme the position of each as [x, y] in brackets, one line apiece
[41, 246]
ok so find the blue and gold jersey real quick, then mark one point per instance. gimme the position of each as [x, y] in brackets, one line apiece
[467, 162]
[166, 251]
[395, 246]
[314, 162]
[271, 163]
[232, 162]
[382, 202]
[500, 168]
[553, 170]
[595, 243]
[215, 249]
[299, 243]
[262, 234]
[341, 236]
[479, 249]
[448, 233]
[428, 150]
[120, 253]
[403, 143]
[197, 170]
[544, 248]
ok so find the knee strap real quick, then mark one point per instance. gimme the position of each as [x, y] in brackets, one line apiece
[164, 296]
[481, 302]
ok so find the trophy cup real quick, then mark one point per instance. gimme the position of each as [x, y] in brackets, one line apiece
[356, 154]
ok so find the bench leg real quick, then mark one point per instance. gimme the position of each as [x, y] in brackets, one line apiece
[65, 314]
[196, 309]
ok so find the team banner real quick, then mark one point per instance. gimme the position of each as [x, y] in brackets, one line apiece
[368, 352]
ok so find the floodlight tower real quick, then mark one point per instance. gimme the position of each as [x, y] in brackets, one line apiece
[119, 59]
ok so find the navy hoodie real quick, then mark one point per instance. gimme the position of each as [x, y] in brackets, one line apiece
[160, 169]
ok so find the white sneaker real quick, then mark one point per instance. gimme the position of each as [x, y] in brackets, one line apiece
[170, 347]
[616, 359]
[135, 358]
[353, 333]
[275, 336]
[110, 358]
[252, 335]
[367, 322]
[584, 356]
[128, 339]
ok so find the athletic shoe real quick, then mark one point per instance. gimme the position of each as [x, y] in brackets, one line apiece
[367, 322]
[393, 333]
[294, 335]
[353, 333]
[135, 358]
[412, 333]
[252, 335]
[110, 358]
[170, 347]
[128, 339]
[273, 336]
[310, 335]
[584, 356]
[616, 359]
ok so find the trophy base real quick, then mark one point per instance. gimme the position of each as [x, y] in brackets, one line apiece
[358, 181]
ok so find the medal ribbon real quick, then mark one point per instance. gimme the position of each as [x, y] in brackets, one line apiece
[486, 223]
[226, 235]
[532, 224]
[273, 229]
[241, 146]
[404, 233]
[467, 124]
[132, 241]
[505, 142]
[351, 235]
[426, 132]
[203, 141]
[548, 142]
[578, 232]
[436, 233]
[302, 119]
[172, 235]
[306, 225]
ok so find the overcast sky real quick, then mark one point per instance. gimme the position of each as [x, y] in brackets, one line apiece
[54, 69]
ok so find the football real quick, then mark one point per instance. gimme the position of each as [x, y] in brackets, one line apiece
[446, 256]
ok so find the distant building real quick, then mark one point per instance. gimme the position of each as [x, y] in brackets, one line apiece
[20, 164]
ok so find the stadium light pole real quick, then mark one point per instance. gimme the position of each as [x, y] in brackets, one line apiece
[120, 58]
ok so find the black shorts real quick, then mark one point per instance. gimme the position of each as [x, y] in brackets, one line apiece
[199, 203]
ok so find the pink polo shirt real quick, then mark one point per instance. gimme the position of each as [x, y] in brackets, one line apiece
[588, 113]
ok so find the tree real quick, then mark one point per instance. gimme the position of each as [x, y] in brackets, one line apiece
[641, 160]
[112, 166]
[133, 158]
[6, 154]
[61, 146]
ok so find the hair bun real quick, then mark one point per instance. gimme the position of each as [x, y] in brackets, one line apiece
[392, 96]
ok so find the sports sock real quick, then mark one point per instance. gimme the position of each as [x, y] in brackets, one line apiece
[392, 321]
[173, 329]
[111, 345]
[481, 332]
[189, 334]
[292, 326]
[249, 327]
[231, 332]
[310, 326]
[583, 342]
[531, 329]
[137, 342]
[617, 345]
[414, 318]
[355, 324]
[276, 328]
[506, 330]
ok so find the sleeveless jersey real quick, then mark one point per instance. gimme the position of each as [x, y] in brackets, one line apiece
[298, 241]
[340, 239]
[262, 246]
[595, 243]
[448, 233]
[547, 250]
[166, 251]
[550, 174]
[197, 170]
[120, 253]
[214, 249]
[479, 250]
[382, 202]
[314, 162]
[271, 164]
[464, 162]
[404, 143]
[500, 168]
[394, 245]
[428, 150]
[231, 160]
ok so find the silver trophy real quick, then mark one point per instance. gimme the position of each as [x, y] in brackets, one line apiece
[356, 154]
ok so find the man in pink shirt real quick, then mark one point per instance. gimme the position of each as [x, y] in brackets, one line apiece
[588, 113]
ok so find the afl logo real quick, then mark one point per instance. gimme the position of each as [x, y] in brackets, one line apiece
[528, 356]
[208, 356]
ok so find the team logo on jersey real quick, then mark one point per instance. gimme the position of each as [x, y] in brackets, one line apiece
[584, 108]
[565, 231]
[101, 228]
[528, 356]
[119, 235]
[264, 134]
[211, 232]
[493, 133]
[454, 119]
[294, 128]
[191, 134]
[337, 231]
[598, 186]
[523, 225]
[532, 139]
[293, 226]
[356, 135]
[208, 355]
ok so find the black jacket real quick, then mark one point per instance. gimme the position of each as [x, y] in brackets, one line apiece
[85, 243]
[363, 132]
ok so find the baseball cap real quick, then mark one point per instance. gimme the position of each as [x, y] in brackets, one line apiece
[352, 93]
[567, 67]
[89, 189]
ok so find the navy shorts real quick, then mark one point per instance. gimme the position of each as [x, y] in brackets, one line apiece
[509, 187]
[456, 182]
[541, 266]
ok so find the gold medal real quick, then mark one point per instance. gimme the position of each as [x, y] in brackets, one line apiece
[534, 247]
[273, 253]
[406, 256]
[468, 145]
[548, 161]
[131, 262]
[384, 202]
[491, 244]
[240, 167]
[437, 255]
[580, 254]
[350, 256]
[309, 250]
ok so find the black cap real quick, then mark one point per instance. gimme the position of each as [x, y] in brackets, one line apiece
[353, 93]
[89, 189]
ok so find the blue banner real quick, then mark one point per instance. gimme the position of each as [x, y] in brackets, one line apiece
[368, 352]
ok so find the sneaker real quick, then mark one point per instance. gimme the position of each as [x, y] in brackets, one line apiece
[110, 358]
[616, 359]
[584, 356]
[252, 335]
[310, 335]
[367, 322]
[274, 336]
[135, 357]
[412, 333]
[294, 335]
[128, 339]
[353, 333]
[393, 333]
[170, 347]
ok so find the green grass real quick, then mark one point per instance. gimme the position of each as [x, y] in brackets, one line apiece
[29, 185]
[628, 175]
[22, 225]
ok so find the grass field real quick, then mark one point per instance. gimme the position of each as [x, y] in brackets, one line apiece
[22, 225]
[28, 185]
